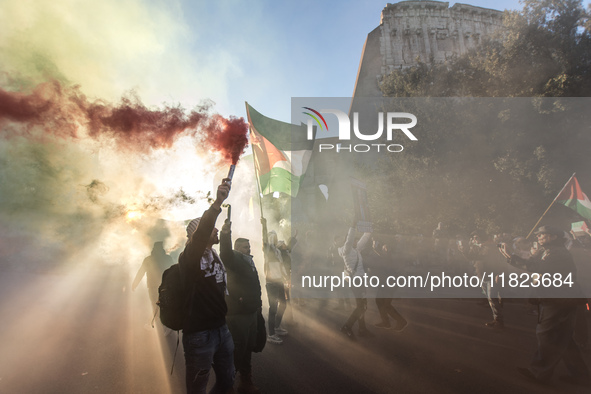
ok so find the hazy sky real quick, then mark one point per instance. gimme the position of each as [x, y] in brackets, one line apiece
[185, 51]
[279, 50]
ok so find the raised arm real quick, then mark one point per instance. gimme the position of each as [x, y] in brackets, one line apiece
[226, 252]
[190, 259]
[265, 234]
[140, 274]
[363, 241]
[292, 241]
[349, 240]
[531, 264]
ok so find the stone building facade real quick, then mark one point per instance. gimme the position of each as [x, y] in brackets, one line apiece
[429, 31]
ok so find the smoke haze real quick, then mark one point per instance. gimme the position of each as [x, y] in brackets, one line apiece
[88, 166]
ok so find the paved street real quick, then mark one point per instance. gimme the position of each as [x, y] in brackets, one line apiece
[85, 333]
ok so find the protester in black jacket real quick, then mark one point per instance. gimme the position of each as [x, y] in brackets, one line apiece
[206, 338]
[244, 303]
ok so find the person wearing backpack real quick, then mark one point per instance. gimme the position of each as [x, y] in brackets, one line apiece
[206, 338]
[244, 304]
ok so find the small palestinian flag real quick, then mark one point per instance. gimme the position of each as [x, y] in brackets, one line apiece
[573, 197]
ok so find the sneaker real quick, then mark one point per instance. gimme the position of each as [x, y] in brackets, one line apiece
[274, 339]
[348, 332]
[401, 326]
[280, 331]
[385, 326]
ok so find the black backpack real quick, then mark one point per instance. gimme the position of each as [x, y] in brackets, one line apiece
[172, 299]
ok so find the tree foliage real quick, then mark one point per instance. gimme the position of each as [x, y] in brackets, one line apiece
[543, 50]
[502, 178]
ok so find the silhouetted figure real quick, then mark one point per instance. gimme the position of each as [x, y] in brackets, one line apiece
[381, 263]
[349, 250]
[275, 276]
[557, 317]
[286, 256]
[456, 261]
[335, 262]
[153, 267]
[481, 253]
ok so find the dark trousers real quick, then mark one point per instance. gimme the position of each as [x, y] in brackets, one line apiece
[244, 329]
[386, 309]
[358, 314]
[277, 304]
[203, 350]
[556, 325]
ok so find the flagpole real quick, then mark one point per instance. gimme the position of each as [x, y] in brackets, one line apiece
[553, 201]
[256, 175]
[258, 187]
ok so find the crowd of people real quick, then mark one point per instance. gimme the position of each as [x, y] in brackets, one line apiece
[224, 324]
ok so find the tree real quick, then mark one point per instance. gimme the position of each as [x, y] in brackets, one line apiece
[544, 50]
[500, 177]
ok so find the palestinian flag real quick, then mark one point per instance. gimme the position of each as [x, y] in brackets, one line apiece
[281, 153]
[573, 197]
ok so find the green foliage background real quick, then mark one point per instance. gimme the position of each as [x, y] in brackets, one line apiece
[500, 180]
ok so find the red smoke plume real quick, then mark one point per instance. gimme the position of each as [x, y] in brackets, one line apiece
[45, 106]
[63, 111]
[229, 137]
